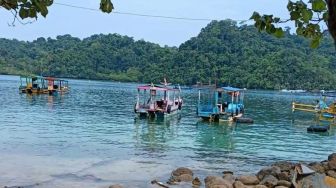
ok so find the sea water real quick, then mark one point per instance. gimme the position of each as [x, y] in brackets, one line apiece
[90, 138]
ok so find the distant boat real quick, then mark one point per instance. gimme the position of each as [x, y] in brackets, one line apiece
[293, 91]
[42, 85]
[158, 101]
[224, 103]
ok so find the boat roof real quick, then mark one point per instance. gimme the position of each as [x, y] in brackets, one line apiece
[234, 89]
[156, 87]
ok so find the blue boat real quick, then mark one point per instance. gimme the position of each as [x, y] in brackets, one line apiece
[220, 104]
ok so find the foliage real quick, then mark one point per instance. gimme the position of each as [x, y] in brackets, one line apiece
[307, 18]
[222, 52]
[31, 8]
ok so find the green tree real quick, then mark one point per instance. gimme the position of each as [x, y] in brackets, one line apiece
[307, 17]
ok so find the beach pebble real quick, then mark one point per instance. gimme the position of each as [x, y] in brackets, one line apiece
[332, 157]
[269, 181]
[227, 172]
[284, 165]
[181, 174]
[238, 184]
[184, 178]
[249, 180]
[196, 182]
[273, 170]
[317, 167]
[116, 186]
[284, 183]
[217, 182]
[331, 173]
[284, 176]
[260, 186]
[182, 170]
[332, 165]
[229, 177]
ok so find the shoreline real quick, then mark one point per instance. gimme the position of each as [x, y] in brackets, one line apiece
[192, 86]
[281, 174]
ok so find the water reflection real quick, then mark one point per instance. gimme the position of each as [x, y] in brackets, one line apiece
[154, 134]
[215, 135]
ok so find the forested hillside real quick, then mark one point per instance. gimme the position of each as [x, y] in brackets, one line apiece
[235, 55]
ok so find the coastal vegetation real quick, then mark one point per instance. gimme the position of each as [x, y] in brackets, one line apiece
[223, 52]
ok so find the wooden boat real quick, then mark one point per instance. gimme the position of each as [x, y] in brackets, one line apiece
[32, 85]
[56, 86]
[220, 104]
[323, 111]
[42, 85]
[158, 101]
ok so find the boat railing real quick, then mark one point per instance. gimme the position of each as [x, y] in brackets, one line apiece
[303, 107]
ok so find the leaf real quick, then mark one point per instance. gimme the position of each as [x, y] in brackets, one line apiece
[294, 15]
[278, 32]
[325, 16]
[255, 16]
[32, 13]
[106, 6]
[307, 15]
[42, 8]
[299, 30]
[23, 13]
[319, 5]
[315, 42]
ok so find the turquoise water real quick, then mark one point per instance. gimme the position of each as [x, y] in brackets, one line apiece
[89, 137]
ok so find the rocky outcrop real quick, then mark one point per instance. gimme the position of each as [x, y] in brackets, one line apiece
[279, 175]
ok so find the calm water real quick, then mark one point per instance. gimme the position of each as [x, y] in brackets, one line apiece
[89, 137]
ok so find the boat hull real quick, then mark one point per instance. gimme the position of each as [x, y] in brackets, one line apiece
[156, 114]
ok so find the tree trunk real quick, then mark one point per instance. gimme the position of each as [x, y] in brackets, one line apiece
[332, 18]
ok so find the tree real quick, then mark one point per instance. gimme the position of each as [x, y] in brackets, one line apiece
[32, 8]
[307, 16]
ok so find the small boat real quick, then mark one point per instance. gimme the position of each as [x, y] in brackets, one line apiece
[42, 85]
[158, 101]
[56, 86]
[293, 91]
[32, 85]
[324, 112]
[217, 104]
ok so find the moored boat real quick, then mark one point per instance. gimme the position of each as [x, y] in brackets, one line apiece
[42, 85]
[158, 101]
[32, 85]
[223, 103]
[325, 111]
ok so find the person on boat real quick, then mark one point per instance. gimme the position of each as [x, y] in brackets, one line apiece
[320, 105]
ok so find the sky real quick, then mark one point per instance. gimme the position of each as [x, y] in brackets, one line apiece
[84, 23]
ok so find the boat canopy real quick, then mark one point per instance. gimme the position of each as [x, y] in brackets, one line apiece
[156, 87]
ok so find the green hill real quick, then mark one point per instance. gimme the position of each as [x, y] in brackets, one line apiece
[235, 55]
